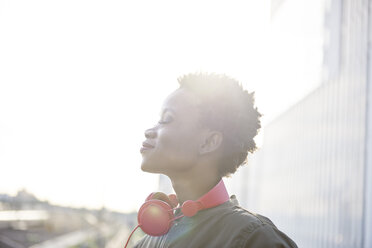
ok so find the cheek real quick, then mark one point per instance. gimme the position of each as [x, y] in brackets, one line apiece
[178, 144]
[175, 150]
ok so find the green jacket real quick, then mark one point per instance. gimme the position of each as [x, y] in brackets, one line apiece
[227, 225]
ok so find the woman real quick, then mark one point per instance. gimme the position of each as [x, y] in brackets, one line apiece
[205, 132]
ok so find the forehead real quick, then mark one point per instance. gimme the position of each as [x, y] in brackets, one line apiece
[182, 101]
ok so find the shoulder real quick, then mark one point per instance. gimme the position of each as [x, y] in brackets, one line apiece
[252, 230]
[239, 217]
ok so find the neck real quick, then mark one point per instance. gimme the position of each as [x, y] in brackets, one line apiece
[193, 187]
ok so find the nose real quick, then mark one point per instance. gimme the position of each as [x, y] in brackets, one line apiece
[150, 133]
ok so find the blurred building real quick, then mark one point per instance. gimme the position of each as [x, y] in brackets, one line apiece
[25, 221]
[313, 173]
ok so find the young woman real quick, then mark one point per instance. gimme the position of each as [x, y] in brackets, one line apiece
[205, 132]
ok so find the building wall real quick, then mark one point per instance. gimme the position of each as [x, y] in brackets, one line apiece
[367, 216]
[312, 174]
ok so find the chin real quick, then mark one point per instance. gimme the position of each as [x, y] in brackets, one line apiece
[144, 167]
[148, 167]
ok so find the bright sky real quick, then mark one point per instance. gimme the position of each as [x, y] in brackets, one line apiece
[81, 80]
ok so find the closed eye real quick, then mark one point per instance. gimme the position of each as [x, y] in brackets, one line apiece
[166, 117]
[163, 122]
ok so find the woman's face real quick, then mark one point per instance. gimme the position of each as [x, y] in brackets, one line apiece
[171, 146]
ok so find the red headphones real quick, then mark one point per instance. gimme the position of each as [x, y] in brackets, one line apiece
[156, 217]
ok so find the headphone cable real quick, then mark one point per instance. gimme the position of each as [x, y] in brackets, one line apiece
[131, 236]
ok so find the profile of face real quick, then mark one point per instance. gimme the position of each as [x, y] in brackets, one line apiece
[171, 146]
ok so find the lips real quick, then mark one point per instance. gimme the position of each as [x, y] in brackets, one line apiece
[146, 146]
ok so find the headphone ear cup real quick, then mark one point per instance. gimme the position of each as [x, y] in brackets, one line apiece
[173, 199]
[155, 217]
[190, 208]
[162, 197]
[150, 196]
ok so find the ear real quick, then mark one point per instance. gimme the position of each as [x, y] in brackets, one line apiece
[210, 142]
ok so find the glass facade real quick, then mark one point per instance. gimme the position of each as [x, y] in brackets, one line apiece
[312, 175]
